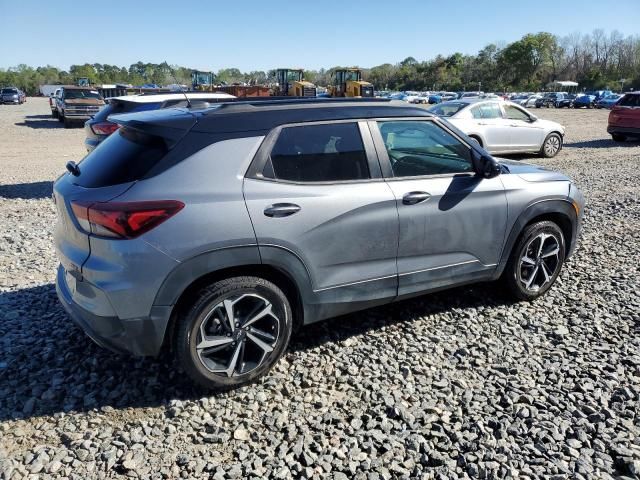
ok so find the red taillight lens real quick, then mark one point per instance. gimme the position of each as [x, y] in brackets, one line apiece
[104, 128]
[124, 219]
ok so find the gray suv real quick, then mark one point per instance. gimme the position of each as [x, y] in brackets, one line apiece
[216, 232]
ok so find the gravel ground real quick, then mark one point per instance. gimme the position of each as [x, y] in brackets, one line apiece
[459, 384]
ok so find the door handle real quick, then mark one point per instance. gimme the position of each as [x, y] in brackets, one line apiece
[412, 198]
[278, 210]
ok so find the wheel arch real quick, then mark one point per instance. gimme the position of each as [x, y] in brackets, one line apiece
[561, 212]
[182, 284]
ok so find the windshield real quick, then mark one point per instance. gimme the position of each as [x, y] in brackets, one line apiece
[72, 94]
[9, 90]
[293, 76]
[447, 109]
[351, 76]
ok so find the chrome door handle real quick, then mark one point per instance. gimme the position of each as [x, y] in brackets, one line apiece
[278, 210]
[412, 198]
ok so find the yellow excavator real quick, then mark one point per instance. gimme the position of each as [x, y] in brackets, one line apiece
[347, 82]
[291, 83]
[202, 81]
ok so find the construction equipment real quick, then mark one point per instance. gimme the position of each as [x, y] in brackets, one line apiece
[202, 81]
[347, 82]
[291, 83]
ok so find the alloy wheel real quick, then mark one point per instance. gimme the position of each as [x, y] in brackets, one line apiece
[237, 335]
[539, 262]
[552, 145]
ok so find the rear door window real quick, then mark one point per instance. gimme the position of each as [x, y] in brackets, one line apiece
[319, 153]
[123, 157]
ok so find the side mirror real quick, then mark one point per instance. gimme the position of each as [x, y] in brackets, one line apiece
[532, 118]
[484, 165]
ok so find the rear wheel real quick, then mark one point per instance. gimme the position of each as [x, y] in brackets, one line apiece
[551, 145]
[235, 332]
[536, 261]
[67, 123]
[618, 138]
[61, 116]
[54, 113]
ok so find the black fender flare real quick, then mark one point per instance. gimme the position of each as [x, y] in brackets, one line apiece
[562, 207]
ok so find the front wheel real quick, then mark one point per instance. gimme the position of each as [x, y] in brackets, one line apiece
[236, 330]
[54, 113]
[551, 145]
[536, 261]
[67, 123]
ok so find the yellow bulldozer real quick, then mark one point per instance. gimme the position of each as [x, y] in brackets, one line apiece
[347, 82]
[291, 83]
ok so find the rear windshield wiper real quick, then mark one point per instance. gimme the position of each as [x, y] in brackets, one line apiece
[73, 168]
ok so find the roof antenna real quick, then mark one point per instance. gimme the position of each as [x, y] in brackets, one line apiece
[173, 75]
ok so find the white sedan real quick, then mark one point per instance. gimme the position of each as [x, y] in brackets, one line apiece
[503, 127]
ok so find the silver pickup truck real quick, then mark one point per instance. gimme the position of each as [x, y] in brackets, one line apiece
[77, 104]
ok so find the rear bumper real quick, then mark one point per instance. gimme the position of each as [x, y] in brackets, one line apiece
[635, 131]
[137, 336]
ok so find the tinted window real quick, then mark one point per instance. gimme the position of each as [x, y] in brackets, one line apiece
[9, 90]
[513, 113]
[630, 100]
[319, 153]
[423, 148]
[123, 157]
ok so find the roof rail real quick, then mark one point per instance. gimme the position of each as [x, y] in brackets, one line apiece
[299, 100]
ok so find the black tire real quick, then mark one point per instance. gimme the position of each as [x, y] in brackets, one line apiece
[551, 145]
[54, 113]
[61, 116]
[67, 123]
[188, 332]
[513, 274]
[618, 138]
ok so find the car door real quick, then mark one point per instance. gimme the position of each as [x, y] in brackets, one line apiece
[491, 125]
[524, 133]
[316, 191]
[452, 221]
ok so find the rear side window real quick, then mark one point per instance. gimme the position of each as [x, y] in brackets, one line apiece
[630, 100]
[486, 110]
[319, 153]
[124, 156]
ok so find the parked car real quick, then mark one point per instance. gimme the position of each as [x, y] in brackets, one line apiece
[214, 233]
[12, 95]
[609, 101]
[624, 118]
[501, 126]
[52, 102]
[100, 127]
[76, 104]
[564, 100]
[531, 101]
[584, 100]
[549, 99]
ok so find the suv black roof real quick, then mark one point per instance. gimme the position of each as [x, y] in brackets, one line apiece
[264, 115]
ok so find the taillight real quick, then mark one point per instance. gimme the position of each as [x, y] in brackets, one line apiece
[104, 128]
[123, 219]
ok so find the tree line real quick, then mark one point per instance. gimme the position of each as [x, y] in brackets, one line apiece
[595, 60]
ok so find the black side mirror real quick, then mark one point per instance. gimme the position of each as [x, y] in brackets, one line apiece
[484, 165]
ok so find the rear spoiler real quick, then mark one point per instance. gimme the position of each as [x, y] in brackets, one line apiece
[170, 124]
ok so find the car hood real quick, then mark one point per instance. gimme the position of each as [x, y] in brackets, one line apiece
[530, 172]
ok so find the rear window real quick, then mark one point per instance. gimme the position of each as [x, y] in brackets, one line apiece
[630, 100]
[447, 109]
[9, 90]
[123, 157]
[114, 107]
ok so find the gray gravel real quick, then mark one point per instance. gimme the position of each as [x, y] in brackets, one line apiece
[461, 384]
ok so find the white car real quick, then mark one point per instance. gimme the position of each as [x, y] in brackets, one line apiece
[503, 127]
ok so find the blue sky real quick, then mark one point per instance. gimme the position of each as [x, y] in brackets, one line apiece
[210, 35]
